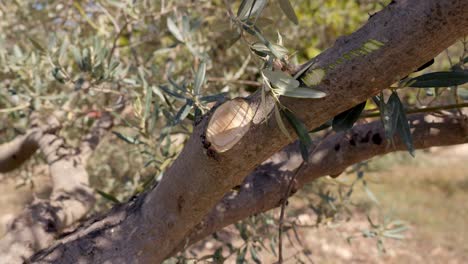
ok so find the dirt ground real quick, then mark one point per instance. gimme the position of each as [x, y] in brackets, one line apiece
[429, 194]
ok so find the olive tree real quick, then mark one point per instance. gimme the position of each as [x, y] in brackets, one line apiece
[241, 156]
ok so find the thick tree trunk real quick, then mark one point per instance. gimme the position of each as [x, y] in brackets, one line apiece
[148, 228]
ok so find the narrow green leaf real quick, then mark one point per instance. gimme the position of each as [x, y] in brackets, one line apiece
[303, 68]
[397, 230]
[181, 88]
[370, 194]
[281, 80]
[425, 65]
[389, 115]
[58, 75]
[403, 128]
[185, 25]
[37, 45]
[323, 126]
[127, 139]
[346, 119]
[244, 5]
[229, 37]
[463, 93]
[86, 60]
[303, 92]
[113, 65]
[262, 50]
[254, 254]
[199, 78]
[77, 55]
[301, 132]
[149, 162]
[279, 121]
[439, 79]
[255, 31]
[242, 231]
[183, 112]
[108, 196]
[170, 92]
[218, 256]
[250, 8]
[304, 151]
[148, 99]
[174, 30]
[288, 10]
[63, 50]
[273, 246]
[393, 236]
[241, 256]
[457, 68]
[213, 98]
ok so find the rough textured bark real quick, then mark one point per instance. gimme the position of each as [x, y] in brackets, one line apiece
[266, 187]
[413, 31]
[71, 198]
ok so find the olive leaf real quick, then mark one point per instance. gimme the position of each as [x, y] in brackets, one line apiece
[390, 115]
[439, 79]
[199, 78]
[393, 116]
[183, 112]
[127, 139]
[346, 119]
[262, 50]
[303, 92]
[280, 123]
[250, 8]
[301, 132]
[403, 127]
[288, 10]
[171, 25]
[281, 80]
[108, 196]
[288, 86]
[37, 45]
[425, 65]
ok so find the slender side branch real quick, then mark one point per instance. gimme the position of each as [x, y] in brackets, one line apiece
[264, 189]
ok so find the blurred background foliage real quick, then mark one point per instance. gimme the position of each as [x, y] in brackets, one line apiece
[91, 56]
[140, 60]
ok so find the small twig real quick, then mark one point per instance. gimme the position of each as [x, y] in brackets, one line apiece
[224, 80]
[283, 209]
[16, 108]
[423, 110]
[114, 44]
[104, 90]
[114, 22]
[85, 16]
[228, 7]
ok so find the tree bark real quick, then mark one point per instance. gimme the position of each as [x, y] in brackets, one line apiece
[413, 32]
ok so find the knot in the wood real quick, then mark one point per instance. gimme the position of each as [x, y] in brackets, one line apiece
[228, 124]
